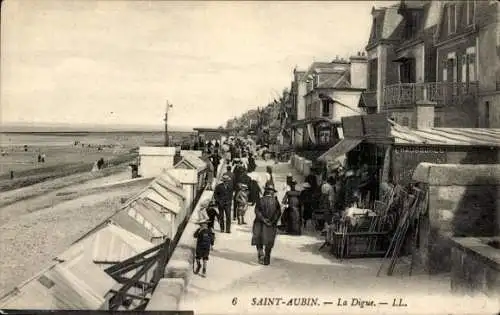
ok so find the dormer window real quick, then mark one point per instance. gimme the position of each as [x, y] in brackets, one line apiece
[374, 29]
[452, 18]
[412, 24]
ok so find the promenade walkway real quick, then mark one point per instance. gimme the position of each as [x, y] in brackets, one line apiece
[236, 283]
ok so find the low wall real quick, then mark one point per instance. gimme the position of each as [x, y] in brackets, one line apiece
[463, 202]
[302, 165]
[475, 267]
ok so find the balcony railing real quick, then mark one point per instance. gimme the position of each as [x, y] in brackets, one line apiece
[443, 93]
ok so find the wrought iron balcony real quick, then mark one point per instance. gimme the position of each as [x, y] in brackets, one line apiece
[443, 93]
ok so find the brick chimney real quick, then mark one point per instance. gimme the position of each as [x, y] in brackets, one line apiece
[359, 71]
[424, 114]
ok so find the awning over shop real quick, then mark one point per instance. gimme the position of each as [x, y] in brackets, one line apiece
[344, 146]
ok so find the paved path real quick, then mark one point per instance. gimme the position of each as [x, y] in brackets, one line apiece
[298, 269]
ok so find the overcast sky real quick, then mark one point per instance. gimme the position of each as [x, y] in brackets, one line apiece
[114, 62]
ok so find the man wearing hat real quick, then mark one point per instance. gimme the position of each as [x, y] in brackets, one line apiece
[223, 195]
[241, 202]
[267, 215]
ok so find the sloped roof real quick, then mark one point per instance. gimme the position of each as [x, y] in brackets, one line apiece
[125, 221]
[70, 285]
[175, 190]
[163, 201]
[169, 178]
[387, 25]
[368, 100]
[186, 163]
[447, 136]
[150, 217]
[196, 161]
[110, 244]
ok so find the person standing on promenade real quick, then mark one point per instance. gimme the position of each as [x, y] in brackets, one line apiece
[265, 225]
[223, 195]
[307, 203]
[269, 176]
[241, 202]
[292, 219]
[215, 158]
[205, 239]
[251, 163]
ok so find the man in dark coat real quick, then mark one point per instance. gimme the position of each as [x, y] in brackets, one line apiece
[215, 159]
[251, 163]
[223, 195]
[254, 192]
[267, 215]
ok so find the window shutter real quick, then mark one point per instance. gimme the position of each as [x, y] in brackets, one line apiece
[464, 68]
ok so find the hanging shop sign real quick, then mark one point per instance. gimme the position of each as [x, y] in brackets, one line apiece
[324, 125]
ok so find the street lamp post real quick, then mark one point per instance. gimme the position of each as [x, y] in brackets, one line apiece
[167, 140]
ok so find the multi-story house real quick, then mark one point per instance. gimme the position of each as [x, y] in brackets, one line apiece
[426, 52]
[297, 106]
[383, 35]
[488, 25]
[332, 90]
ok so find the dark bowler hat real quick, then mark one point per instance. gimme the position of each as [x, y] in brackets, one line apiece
[270, 187]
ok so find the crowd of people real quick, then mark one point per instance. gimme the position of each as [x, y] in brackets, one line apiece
[319, 200]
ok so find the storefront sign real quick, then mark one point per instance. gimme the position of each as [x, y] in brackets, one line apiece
[406, 159]
[419, 150]
[324, 125]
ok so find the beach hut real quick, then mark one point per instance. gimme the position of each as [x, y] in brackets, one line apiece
[73, 283]
[152, 160]
[194, 163]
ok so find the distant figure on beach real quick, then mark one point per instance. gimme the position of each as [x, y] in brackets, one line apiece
[39, 158]
[25, 148]
[100, 163]
[43, 158]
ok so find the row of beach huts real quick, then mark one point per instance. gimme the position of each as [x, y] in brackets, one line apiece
[118, 264]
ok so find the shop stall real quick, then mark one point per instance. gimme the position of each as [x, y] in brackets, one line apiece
[379, 156]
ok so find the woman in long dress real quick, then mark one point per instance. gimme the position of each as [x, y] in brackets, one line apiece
[292, 218]
[307, 203]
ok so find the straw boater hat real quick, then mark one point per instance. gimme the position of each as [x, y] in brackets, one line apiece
[226, 177]
[204, 204]
[306, 185]
[202, 216]
[243, 186]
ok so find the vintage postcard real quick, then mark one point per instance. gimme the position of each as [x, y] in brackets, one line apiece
[250, 157]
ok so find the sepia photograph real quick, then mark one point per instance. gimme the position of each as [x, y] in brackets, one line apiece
[250, 157]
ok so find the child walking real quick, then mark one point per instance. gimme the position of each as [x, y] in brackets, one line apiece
[205, 239]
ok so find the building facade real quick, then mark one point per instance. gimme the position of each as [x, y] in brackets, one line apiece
[321, 96]
[430, 52]
[488, 25]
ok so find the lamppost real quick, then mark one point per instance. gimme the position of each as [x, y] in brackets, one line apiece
[167, 140]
